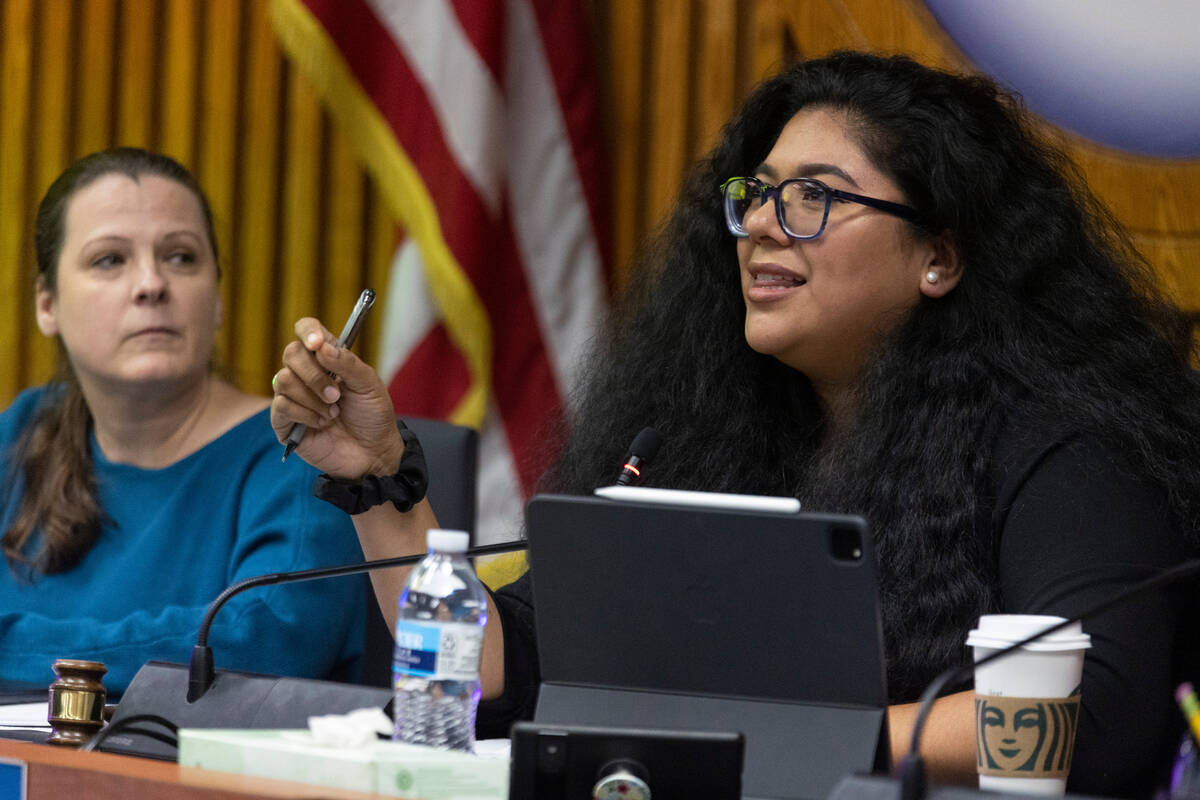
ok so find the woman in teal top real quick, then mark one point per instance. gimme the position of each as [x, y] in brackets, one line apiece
[139, 484]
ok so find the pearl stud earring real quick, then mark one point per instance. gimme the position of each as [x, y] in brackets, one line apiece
[931, 276]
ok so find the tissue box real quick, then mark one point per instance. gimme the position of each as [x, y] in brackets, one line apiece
[387, 768]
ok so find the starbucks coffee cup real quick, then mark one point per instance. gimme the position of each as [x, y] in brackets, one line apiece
[1026, 703]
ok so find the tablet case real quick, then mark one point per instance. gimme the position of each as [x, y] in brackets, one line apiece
[693, 618]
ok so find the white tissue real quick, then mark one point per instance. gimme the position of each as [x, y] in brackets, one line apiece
[349, 730]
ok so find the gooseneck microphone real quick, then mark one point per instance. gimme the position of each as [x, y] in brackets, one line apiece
[912, 767]
[200, 670]
[201, 673]
[641, 452]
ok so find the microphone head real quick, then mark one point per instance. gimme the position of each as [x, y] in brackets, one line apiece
[645, 445]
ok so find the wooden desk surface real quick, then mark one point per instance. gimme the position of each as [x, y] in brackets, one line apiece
[55, 772]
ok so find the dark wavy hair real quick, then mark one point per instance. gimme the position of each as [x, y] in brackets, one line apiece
[1055, 323]
[60, 517]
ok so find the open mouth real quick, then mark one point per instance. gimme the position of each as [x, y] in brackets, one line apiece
[777, 280]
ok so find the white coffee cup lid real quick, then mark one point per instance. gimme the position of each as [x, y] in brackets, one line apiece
[997, 631]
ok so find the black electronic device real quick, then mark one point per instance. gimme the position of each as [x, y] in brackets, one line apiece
[557, 762]
[201, 696]
[234, 700]
[687, 617]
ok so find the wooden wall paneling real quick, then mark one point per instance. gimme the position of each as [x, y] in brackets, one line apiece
[671, 81]
[714, 77]
[217, 164]
[674, 72]
[810, 29]
[627, 54]
[93, 122]
[299, 240]
[49, 134]
[255, 356]
[136, 71]
[766, 49]
[1176, 260]
[1150, 194]
[900, 26]
[179, 84]
[16, 57]
[46, 154]
[1158, 201]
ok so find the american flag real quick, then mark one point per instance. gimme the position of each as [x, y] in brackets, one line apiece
[479, 120]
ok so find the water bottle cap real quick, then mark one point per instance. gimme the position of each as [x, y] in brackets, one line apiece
[447, 541]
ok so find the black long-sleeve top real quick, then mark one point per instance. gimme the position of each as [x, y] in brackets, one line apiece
[1072, 530]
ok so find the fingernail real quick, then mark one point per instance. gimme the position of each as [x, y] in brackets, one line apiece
[331, 394]
[314, 339]
[334, 411]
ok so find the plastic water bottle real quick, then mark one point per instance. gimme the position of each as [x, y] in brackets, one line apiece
[439, 638]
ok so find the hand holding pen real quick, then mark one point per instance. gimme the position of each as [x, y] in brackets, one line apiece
[343, 410]
[349, 333]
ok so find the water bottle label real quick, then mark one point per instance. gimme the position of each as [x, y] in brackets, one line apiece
[449, 651]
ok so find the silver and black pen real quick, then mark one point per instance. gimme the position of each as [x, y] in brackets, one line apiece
[349, 333]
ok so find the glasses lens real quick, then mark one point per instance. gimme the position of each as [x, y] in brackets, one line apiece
[741, 197]
[803, 206]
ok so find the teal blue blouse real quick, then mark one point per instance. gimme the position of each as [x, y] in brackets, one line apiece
[174, 539]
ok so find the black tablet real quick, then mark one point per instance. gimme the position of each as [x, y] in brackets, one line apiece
[708, 618]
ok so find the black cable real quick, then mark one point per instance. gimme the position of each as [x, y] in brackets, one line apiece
[168, 739]
[165, 738]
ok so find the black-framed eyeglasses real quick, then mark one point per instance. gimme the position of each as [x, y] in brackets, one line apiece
[801, 205]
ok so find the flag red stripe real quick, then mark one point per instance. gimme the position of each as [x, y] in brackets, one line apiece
[525, 385]
[483, 22]
[432, 379]
[572, 65]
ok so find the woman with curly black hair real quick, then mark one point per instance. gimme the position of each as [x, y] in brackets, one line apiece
[924, 317]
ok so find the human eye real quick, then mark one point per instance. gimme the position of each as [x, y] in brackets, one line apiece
[107, 260]
[184, 258]
[804, 192]
[813, 192]
[756, 192]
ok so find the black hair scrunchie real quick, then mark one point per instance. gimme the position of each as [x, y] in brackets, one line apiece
[404, 489]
